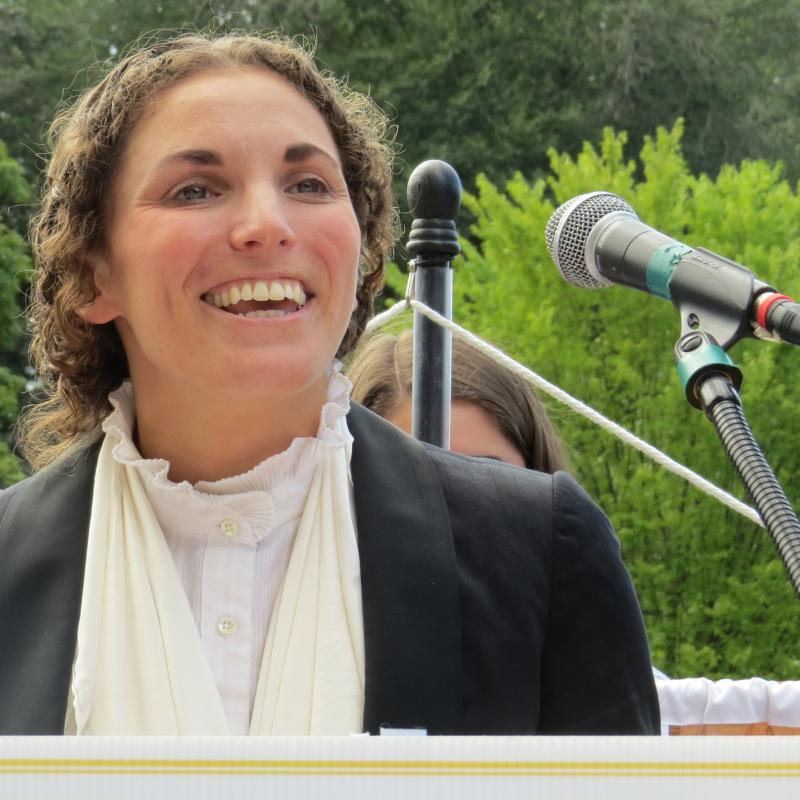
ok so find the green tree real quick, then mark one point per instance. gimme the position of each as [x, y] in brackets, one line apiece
[728, 67]
[52, 49]
[489, 85]
[714, 595]
[14, 268]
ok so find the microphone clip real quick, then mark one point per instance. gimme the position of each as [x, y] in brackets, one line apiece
[699, 358]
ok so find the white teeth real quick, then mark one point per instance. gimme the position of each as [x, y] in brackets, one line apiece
[273, 312]
[260, 291]
[276, 291]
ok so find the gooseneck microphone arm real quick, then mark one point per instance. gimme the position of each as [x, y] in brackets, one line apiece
[597, 240]
[768, 496]
[434, 197]
[711, 382]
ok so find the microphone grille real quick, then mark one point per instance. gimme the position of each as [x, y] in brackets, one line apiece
[568, 231]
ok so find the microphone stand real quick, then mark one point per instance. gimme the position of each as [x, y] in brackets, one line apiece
[434, 197]
[711, 381]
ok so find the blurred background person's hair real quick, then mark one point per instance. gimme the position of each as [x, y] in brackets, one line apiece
[484, 393]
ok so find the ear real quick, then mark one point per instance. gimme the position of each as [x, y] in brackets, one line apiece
[104, 307]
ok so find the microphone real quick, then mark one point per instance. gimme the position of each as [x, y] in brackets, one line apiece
[597, 240]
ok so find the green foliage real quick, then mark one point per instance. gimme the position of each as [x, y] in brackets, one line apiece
[52, 48]
[715, 597]
[11, 386]
[489, 85]
[729, 67]
[14, 268]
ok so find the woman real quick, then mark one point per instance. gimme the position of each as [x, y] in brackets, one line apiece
[494, 413]
[215, 541]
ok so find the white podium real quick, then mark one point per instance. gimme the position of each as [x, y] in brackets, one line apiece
[391, 768]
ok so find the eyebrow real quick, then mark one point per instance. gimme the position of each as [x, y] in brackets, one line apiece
[299, 152]
[293, 154]
[200, 157]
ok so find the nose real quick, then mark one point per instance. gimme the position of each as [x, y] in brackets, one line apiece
[260, 221]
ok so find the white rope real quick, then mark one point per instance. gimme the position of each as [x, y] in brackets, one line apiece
[385, 316]
[576, 405]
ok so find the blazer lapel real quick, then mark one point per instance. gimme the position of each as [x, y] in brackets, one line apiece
[44, 535]
[409, 580]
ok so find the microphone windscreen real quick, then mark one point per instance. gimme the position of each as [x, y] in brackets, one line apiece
[568, 231]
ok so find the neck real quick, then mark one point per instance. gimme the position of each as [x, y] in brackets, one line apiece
[207, 438]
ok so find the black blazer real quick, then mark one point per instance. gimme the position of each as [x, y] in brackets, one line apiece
[495, 600]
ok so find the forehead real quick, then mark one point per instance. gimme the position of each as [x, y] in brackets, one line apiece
[238, 104]
[474, 432]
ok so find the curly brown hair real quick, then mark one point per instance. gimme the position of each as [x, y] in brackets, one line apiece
[79, 363]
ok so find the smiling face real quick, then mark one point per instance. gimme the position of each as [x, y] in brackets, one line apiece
[232, 245]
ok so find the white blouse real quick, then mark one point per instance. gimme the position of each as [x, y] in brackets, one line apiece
[231, 539]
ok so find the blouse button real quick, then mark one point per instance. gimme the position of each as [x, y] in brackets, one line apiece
[229, 528]
[226, 626]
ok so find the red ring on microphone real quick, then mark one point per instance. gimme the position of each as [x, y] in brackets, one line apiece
[761, 314]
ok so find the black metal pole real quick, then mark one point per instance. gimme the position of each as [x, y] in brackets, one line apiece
[434, 197]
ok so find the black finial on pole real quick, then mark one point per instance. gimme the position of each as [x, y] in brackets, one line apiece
[434, 197]
[434, 191]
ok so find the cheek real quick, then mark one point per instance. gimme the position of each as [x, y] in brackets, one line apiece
[154, 237]
[346, 238]
[179, 242]
[342, 251]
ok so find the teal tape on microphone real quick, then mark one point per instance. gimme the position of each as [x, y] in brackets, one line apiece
[661, 266]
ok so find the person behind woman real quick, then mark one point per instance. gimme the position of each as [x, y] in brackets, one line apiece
[215, 540]
[494, 412]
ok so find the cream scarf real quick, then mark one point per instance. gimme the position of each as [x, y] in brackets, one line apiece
[140, 666]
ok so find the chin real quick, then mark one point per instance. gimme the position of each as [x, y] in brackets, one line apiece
[273, 381]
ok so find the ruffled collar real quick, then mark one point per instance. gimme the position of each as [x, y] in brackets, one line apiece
[295, 464]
